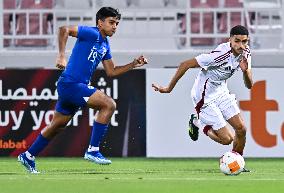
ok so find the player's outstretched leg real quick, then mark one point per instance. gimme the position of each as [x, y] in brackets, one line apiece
[193, 130]
[27, 160]
[106, 106]
[93, 154]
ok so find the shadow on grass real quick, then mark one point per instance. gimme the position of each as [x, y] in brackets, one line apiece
[127, 172]
[10, 173]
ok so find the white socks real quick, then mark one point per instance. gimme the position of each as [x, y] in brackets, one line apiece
[92, 148]
[196, 122]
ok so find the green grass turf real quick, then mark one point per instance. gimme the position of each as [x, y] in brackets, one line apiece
[140, 175]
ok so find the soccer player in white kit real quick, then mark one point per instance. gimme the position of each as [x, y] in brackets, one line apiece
[213, 102]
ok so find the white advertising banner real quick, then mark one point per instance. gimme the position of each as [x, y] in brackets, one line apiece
[168, 115]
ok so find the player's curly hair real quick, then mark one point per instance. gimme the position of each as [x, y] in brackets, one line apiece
[239, 30]
[105, 12]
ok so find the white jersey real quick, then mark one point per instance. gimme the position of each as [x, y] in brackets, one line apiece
[217, 67]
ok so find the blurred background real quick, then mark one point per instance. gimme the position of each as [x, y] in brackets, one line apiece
[145, 123]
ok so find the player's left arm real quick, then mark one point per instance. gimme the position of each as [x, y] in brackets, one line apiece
[247, 75]
[113, 70]
[245, 65]
[183, 67]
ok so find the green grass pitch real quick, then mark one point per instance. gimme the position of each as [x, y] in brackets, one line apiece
[140, 175]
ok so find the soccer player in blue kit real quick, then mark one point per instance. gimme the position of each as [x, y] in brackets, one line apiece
[74, 91]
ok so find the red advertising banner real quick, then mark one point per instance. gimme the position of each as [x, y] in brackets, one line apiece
[27, 101]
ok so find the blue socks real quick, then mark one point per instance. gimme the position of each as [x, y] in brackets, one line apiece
[39, 144]
[98, 133]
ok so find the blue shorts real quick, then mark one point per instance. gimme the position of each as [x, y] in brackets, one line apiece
[72, 96]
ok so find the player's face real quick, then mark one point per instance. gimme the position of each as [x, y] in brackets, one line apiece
[109, 25]
[239, 43]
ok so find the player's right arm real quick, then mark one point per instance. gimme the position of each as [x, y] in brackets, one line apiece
[202, 60]
[183, 67]
[63, 34]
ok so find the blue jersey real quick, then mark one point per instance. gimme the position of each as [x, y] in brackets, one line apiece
[89, 50]
[73, 90]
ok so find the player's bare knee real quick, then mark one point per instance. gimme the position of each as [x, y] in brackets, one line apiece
[111, 105]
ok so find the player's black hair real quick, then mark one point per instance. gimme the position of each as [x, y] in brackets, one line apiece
[239, 30]
[105, 12]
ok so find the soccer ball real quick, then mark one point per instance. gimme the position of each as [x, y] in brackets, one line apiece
[232, 163]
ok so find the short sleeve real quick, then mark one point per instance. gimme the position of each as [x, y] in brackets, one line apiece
[108, 55]
[208, 59]
[214, 57]
[204, 60]
[87, 33]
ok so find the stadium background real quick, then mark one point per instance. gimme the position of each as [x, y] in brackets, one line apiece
[145, 123]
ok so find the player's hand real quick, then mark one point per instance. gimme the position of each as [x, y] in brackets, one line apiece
[244, 64]
[140, 61]
[161, 89]
[61, 62]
